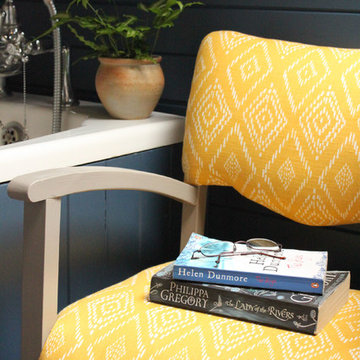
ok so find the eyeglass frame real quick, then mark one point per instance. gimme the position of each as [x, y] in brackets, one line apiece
[240, 253]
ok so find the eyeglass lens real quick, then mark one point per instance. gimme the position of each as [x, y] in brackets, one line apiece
[217, 248]
[263, 244]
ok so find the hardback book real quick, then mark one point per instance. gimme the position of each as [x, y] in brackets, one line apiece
[302, 312]
[301, 271]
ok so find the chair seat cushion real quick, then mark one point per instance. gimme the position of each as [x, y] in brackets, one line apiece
[279, 122]
[120, 323]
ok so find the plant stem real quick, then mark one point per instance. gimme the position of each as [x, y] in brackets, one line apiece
[96, 13]
[155, 40]
[127, 46]
[113, 44]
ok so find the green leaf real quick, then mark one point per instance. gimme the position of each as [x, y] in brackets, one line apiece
[60, 16]
[106, 31]
[71, 5]
[142, 7]
[86, 42]
[85, 3]
[131, 19]
[157, 4]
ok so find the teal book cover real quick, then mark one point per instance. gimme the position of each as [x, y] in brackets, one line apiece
[299, 270]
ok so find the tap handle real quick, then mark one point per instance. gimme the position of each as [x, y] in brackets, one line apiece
[11, 16]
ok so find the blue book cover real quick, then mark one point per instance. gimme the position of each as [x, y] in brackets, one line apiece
[301, 271]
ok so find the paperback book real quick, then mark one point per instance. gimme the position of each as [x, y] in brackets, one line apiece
[301, 271]
[306, 313]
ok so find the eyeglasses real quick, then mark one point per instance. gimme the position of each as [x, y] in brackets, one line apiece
[255, 246]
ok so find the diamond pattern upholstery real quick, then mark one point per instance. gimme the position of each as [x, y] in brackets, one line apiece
[278, 121]
[120, 323]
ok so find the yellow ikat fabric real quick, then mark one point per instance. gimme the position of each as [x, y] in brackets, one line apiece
[120, 323]
[280, 122]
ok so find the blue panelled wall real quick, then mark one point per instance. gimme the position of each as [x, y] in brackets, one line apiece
[92, 251]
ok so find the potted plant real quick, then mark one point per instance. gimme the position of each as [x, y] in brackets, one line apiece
[129, 80]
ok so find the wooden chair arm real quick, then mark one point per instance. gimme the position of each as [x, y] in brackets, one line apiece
[41, 193]
[49, 184]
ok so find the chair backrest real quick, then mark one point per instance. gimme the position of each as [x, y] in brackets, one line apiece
[279, 122]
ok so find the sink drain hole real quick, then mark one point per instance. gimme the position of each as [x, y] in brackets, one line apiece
[12, 132]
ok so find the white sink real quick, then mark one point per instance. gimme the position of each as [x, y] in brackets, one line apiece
[88, 135]
[38, 113]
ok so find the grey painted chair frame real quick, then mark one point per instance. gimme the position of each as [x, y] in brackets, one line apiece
[41, 193]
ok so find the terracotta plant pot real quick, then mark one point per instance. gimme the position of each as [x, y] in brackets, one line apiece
[129, 88]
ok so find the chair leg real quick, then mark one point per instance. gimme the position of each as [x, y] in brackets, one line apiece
[39, 293]
[193, 217]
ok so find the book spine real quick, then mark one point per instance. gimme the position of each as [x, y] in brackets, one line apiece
[257, 280]
[261, 310]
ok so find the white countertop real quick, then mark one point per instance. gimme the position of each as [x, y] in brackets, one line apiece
[99, 137]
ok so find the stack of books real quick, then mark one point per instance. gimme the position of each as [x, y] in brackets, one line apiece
[289, 289]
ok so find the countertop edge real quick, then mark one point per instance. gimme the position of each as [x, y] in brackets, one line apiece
[91, 142]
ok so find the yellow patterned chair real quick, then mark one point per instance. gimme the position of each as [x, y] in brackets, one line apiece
[279, 122]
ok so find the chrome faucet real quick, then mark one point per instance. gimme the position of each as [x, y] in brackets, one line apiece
[15, 51]
[12, 44]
